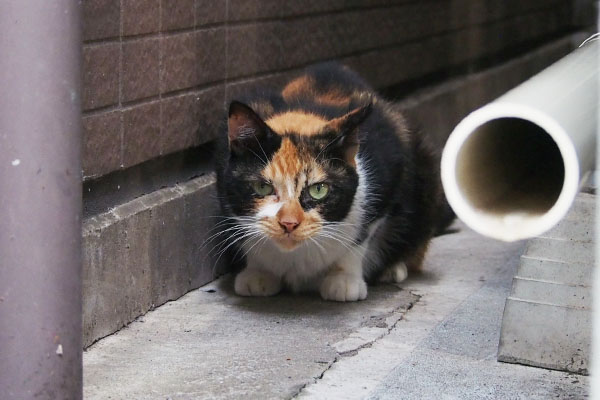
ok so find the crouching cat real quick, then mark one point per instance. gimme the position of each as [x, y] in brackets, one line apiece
[322, 186]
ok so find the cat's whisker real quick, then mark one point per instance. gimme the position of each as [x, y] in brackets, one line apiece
[229, 220]
[222, 232]
[340, 233]
[327, 146]
[223, 224]
[342, 242]
[260, 239]
[218, 247]
[338, 227]
[319, 245]
[264, 162]
[234, 218]
[245, 243]
[265, 241]
[237, 234]
[224, 229]
[339, 224]
[221, 252]
[341, 237]
[263, 151]
[222, 240]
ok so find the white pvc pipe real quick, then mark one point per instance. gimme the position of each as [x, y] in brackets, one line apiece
[512, 168]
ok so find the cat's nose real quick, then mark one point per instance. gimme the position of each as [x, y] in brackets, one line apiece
[289, 224]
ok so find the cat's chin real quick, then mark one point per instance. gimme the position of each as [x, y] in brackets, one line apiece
[287, 243]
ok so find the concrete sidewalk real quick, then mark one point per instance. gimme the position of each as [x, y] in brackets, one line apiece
[435, 337]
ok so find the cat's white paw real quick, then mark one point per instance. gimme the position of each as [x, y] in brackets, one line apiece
[341, 286]
[256, 282]
[394, 274]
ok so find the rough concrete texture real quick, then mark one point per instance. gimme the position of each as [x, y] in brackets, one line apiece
[436, 335]
[462, 350]
[213, 344]
[145, 252]
[547, 319]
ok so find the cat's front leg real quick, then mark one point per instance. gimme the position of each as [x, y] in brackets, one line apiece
[254, 281]
[344, 281]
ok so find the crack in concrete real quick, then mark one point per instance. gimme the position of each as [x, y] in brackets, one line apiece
[400, 312]
[314, 379]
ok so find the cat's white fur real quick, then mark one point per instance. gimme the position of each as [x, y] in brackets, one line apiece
[269, 210]
[332, 268]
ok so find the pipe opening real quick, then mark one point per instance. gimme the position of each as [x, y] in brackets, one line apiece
[510, 165]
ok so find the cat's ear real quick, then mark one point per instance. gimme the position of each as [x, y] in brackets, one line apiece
[346, 130]
[349, 122]
[245, 128]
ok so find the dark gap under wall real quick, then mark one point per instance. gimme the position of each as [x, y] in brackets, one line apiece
[118, 187]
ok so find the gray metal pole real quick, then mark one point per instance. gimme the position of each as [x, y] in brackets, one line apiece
[40, 200]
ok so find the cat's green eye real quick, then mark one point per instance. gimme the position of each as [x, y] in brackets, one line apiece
[262, 188]
[318, 191]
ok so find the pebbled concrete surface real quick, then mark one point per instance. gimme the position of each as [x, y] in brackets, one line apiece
[436, 337]
[213, 344]
[458, 359]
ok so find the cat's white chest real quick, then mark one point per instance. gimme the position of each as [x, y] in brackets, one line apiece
[299, 267]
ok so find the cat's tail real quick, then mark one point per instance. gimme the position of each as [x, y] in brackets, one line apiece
[446, 217]
[428, 157]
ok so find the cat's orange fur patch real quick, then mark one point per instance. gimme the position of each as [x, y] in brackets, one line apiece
[300, 85]
[305, 85]
[333, 98]
[297, 122]
[286, 162]
[415, 261]
[290, 171]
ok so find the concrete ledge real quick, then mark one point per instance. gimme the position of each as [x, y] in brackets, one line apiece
[569, 273]
[546, 336]
[144, 253]
[547, 319]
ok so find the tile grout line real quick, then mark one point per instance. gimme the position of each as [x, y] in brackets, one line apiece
[226, 83]
[272, 72]
[119, 106]
[274, 19]
[160, 77]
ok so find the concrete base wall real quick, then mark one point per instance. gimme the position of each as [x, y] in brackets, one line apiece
[547, 318]
[144, 253]
[150, 250]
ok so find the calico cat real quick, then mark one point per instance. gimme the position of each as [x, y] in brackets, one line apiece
[322, 186]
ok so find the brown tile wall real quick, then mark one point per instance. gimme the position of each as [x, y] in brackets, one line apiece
[157, 73]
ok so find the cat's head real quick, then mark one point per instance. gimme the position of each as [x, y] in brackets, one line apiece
[293, 174]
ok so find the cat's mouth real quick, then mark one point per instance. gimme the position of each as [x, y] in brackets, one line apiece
[288, 241]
